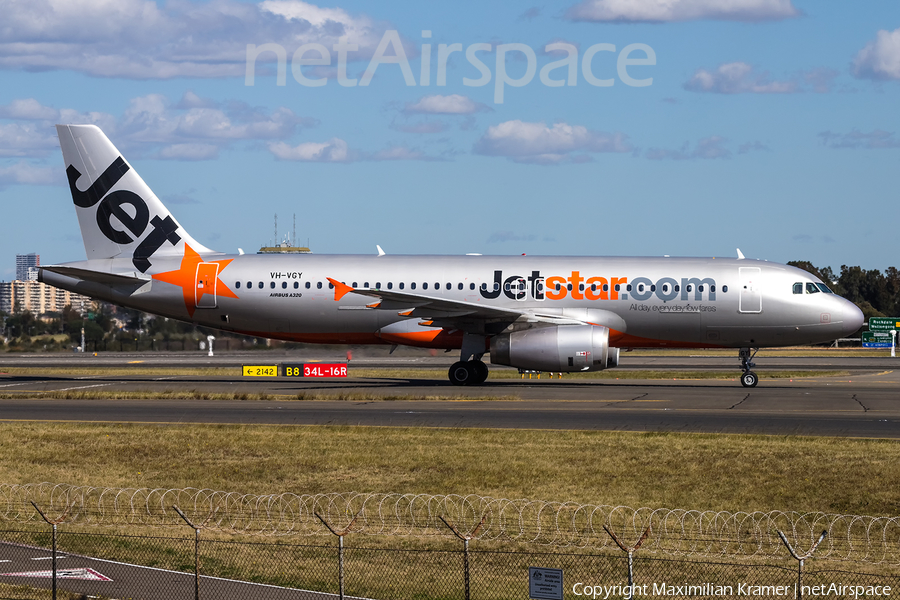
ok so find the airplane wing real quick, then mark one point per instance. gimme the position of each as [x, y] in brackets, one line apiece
[451, 313]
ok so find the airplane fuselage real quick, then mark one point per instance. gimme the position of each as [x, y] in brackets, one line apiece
[645, 302]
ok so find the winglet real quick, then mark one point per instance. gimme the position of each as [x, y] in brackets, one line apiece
[340, 289]
[740, 254]
[380, 251]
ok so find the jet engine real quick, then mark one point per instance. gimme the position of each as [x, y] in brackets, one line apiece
[556, 348]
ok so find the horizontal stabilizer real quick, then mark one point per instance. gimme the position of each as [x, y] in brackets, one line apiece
[98, 276]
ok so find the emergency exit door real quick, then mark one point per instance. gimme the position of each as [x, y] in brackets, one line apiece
[205, 285]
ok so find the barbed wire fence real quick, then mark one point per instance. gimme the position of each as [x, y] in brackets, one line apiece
[676, 532]
[674, 544]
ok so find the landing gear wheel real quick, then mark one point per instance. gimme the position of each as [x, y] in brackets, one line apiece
[749, 379]
[481, 371]
[462, 373]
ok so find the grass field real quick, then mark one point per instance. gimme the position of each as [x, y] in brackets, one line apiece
[696, 471]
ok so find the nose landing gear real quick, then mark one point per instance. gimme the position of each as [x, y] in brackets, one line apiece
[748, 377]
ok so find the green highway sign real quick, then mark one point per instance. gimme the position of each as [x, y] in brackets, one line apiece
[876, 339]
[884, 323]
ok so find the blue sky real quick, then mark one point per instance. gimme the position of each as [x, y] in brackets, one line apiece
[769, 125]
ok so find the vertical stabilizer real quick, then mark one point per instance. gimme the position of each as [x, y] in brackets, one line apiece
[119, 215]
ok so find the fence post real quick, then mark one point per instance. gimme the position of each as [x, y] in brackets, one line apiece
[196, 529]
[630, 551]
[53, 523]
[801, 559]
[340, 535]
[465, 539]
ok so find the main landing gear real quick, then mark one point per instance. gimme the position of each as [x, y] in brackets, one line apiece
[748, 377]
[469, 372]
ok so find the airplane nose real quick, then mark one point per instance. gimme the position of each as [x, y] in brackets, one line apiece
[853, 318]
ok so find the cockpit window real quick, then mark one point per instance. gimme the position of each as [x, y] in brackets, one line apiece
[811, 288]
[824, 288]
[798, 288]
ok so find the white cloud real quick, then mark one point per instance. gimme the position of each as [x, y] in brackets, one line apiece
[334, 150]
[711, 147]
[499, 237]
[737, 78]
[399, 153]
[140, 39]
[421, 127]
[681, 10]
[28, 109]
[755, 146]
[26, 139]
[880, 59]
[189, 152]
[876, 139]
[538, 143]
[454, 104]
[24, 173]
[150, 126]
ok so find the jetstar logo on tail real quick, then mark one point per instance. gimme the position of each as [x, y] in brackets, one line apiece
[112, 205]
[188, 278]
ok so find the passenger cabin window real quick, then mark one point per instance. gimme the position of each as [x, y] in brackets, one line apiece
[448, 285]
[296, 285]
[798, 288]
[412, 286]
[390, 285]
[284, 285]
[237, 285]
[811, 288]
[401, 285]
[260, 285]
[471, 286]
[460, 286]
[318, 285]
[354, 284]
[249, 285]
[272, 284]
[724, 289]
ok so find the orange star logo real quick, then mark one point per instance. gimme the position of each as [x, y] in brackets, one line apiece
[198, 278]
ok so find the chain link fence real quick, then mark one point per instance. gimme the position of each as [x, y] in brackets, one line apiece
[134, 544]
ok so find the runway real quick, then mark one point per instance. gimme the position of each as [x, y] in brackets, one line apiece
[863, 404]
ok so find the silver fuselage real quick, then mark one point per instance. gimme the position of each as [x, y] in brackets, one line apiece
[660, 302]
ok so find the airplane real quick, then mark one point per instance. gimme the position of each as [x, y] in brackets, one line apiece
[552, 314]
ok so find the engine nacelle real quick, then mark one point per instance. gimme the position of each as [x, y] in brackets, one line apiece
[557, 348]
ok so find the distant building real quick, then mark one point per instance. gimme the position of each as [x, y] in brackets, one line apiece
[284, 248]
[37, 297]
[26, 266]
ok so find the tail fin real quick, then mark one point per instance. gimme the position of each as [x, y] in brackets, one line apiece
[119, 214]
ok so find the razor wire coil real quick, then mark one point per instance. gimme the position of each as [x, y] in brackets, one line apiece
[674, 532]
